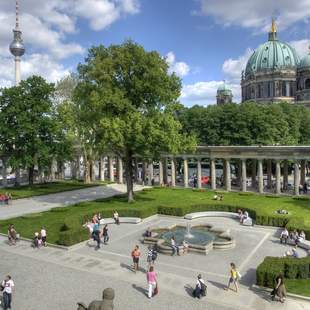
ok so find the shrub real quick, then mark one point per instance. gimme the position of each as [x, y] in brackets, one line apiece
[291, 268]
[73, 236]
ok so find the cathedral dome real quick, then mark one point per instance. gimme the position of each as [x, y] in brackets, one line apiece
[305, 62]
[272, 55]
[224, 90]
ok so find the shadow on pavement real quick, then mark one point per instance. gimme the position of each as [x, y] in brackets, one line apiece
[141, 269]
[140, 289]
[217, 284]
[189, 289]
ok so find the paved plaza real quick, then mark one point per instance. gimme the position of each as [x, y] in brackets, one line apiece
[51, 278]
[46, 202]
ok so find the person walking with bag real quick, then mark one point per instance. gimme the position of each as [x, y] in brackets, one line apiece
[201, 288]
[234, 276]
[7, 288]
[151, 278]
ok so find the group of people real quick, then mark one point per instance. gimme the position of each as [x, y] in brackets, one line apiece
[96, 233]
[218, 197]
[176, 248]
[5, 199]
[293, 236]
[39, 239]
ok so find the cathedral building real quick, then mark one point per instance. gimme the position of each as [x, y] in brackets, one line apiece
[275, 73]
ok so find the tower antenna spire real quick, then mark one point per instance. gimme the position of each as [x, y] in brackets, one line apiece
[17, 15]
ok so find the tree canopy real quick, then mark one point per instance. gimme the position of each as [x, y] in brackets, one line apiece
[128, 94]
[247, 124]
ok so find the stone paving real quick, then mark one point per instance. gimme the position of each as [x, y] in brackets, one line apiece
[46, 202]
[51, 278]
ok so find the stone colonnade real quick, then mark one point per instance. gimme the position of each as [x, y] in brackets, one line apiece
[268, 167]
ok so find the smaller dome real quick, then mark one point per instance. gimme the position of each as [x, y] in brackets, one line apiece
[305, 62]
[224, 89]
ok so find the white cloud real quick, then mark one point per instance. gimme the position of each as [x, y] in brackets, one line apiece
[204, 93]
[179, 68]
[46, 26]
[301, 46]
[256, 14]
[232, 68]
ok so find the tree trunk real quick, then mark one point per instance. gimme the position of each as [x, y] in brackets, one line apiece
[87, 179]
[31, 175]
[129, 177]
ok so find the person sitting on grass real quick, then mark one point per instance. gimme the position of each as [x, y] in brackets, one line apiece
[284, 235]
[215, 197]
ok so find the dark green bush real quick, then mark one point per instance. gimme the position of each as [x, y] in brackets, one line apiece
[291, 268]
[73, 236]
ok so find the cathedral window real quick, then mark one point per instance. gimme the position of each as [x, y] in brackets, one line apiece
[307, 84]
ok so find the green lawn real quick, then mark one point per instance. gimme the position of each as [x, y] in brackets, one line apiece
[148, 202]
[46, 188]
[300, 286]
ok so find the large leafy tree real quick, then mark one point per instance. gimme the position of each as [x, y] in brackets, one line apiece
[128, 94]
[29, 131]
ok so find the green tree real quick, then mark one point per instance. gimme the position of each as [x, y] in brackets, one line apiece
[129, 95]
[30, 133]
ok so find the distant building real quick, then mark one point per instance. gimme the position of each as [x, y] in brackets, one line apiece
[224, 94]
[275, 73]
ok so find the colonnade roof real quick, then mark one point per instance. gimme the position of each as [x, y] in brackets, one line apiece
[249, 152]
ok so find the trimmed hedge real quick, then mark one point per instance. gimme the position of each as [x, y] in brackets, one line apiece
[73, 236]
[291, 268]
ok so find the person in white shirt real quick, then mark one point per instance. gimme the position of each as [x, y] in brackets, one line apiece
[284, 235]
[200, 289]
[43, 235]
[116, 217]
[7, 287]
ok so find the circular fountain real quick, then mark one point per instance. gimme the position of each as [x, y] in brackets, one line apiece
[200, 238]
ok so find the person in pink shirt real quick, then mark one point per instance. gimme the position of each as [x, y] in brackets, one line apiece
[152, 282]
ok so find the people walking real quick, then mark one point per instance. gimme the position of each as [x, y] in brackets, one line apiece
[12, 236]
[200, 288]
[96, 235]
[279, 289]
[43, 236]
[234, 276]
[135, 254]
[7, 286]
[106, 237]
[151, 278]
[151, 255]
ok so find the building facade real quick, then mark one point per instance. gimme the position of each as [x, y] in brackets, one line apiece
[275, 73]
[224, 94]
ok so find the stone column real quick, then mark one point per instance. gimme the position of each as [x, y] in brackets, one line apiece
[296, 178]
[254, 173]
[302, 172]
[120, 170]
[93, 171]
[172, 172]
[101, 169]
[137, 177]
[185, 171]
[285, 175]
[161, 173]
[269, 173]
[213, 174]
[199, 172]
[287, 89]
[145, 177]
[165, 170]
[111, 169]
[73, 169]
[260, 176]
[4, 173]
[243, 175]
[151, 173]
[224, 172]
[278, 177]
[228, 175]
[239, 173]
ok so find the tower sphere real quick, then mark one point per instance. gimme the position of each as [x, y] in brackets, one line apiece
[17, 47]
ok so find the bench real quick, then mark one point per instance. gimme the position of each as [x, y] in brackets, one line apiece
[196, 215]
[305, 244]
[122, 220]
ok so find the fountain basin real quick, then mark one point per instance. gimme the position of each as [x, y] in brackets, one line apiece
[201, 238]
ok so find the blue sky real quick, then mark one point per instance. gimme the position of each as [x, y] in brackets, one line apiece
[205, 41]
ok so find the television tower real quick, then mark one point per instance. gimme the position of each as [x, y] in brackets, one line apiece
[17, 47]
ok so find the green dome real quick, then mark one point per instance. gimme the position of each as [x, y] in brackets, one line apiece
[272, 55]
[305, 62]
[224, 89]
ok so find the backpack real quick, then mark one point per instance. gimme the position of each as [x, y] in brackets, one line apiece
[203, 289]
[154, 255]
